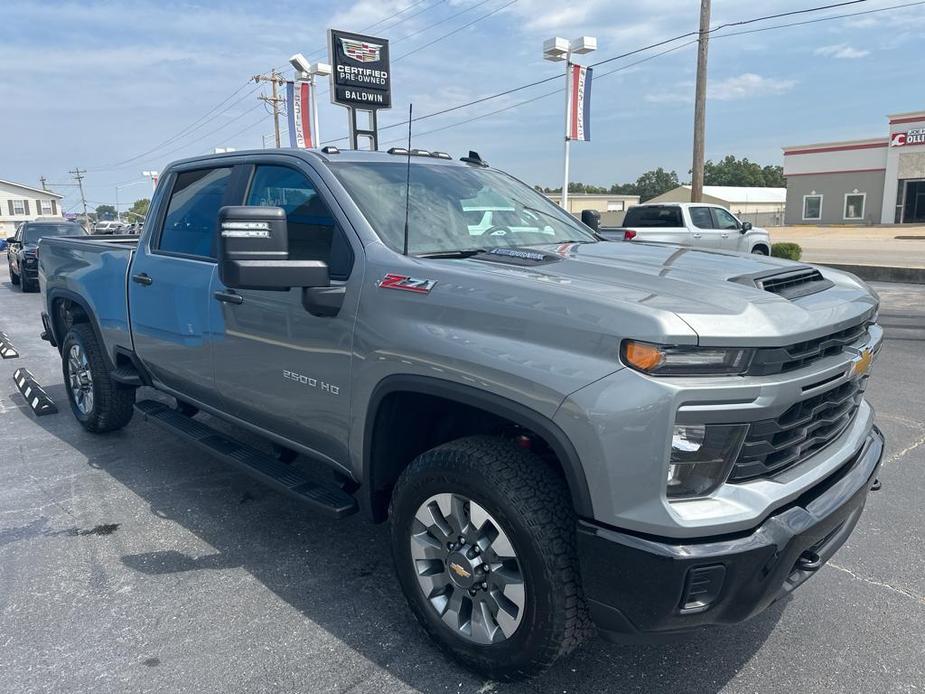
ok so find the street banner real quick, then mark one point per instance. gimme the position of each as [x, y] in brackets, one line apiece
[580, 104]
[298, 105]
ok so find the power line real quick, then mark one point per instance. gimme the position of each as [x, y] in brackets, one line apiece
[614, 58]
[456, 31]
[442, 21]
[555, 92]
[195, 125]
[820, 19]
[643, 60]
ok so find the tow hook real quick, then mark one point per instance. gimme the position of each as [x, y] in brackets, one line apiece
[809, 561]
[875, 487]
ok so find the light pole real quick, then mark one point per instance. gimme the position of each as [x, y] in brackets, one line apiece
[306, 71]
[554, 50]
[153, 176]
[123, 185]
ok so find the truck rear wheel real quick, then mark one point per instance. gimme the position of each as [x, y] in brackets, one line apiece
[483, 537]
[99, 403]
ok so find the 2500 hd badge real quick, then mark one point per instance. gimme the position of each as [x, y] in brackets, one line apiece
[311, 382]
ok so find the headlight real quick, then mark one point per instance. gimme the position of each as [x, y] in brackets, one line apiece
[701, 457]
[669, 360]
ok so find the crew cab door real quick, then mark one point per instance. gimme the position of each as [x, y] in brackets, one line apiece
[704, 233]
[726, 229]
[170, 301]
[277, 365]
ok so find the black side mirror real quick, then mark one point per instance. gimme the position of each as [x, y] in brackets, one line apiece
[11, 239]
[746, 226]
[253, 252]
[591, 218]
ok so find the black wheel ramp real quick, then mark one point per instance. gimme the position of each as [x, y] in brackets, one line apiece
[325, 498]
[7, 351]
[34, 394]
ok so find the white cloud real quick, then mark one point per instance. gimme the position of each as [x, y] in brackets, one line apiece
[745, 86]
[841, 51]
[748, 85]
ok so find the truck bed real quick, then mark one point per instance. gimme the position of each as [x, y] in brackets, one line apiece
[91, 271]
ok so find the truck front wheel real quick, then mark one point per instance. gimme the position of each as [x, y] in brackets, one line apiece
[483, 537]
[99, 403]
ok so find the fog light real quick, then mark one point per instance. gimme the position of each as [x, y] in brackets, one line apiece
[701, 457]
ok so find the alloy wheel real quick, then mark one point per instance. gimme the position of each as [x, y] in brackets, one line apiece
[467, 568]
[80, 379]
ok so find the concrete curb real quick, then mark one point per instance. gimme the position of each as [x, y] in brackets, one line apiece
[882, 273]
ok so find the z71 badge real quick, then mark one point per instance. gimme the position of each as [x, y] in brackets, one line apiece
[407, 284]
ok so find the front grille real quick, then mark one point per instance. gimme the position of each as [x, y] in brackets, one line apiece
[773, 445]
[775, 360]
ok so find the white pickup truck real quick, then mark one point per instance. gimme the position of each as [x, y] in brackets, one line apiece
[699, 225]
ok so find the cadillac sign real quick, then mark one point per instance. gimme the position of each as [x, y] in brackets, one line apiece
[360, 75]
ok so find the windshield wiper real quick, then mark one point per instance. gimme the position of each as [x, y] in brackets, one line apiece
[462, 253]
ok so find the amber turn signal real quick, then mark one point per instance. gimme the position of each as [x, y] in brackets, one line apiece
[643, 355]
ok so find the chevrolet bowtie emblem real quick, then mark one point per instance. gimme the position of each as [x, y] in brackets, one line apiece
[458, 570]
[862, 362]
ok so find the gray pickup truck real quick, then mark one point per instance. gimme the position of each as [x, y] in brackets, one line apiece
[561, 430]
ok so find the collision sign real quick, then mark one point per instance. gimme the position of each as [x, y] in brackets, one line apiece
[915, 136]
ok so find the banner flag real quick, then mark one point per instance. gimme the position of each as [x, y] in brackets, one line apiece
[298, 105]
[580, 104]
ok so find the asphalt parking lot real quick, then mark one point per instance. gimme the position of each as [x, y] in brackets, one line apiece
[130, 563]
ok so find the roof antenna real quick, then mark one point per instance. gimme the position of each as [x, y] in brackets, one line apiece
[408, 180]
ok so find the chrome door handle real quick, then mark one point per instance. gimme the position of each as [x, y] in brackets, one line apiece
[229, 297]
[143, 279]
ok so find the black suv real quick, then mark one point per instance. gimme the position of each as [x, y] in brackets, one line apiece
[23, 251]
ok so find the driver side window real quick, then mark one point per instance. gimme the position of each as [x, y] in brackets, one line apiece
[724, 220]
[313, 233]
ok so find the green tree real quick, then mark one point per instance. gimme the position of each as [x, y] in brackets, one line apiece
[774, 176]
[105, 212]
[730, 171]
[138, 210]
[655, 182]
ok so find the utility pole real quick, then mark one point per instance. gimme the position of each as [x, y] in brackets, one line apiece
[276, 80]
[79, 175]
[43, 179]
[700, 102]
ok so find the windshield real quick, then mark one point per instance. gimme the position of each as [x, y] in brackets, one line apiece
[33, 232]
[454, 208]
[653, 216]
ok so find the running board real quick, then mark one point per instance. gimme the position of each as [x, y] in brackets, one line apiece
[326, 498]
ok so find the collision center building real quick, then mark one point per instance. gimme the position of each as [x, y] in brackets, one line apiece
[874, 181]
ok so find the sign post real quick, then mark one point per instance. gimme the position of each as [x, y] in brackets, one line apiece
[360, 81]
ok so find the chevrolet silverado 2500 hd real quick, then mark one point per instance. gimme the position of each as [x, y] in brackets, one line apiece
[556, 427]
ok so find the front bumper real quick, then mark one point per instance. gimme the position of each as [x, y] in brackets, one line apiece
[638, 584]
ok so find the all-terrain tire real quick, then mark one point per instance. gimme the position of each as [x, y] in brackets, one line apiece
[14, 278]
[759, 250]
[113, 404]
[531, 503]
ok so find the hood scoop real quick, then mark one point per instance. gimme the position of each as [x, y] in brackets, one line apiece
[790, 284]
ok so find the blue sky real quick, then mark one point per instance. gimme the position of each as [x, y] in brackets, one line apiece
[93, 84]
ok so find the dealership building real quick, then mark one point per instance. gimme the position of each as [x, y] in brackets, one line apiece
[875, 181]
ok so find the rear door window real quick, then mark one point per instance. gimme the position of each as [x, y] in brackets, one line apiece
[653, 216]
[191, 223]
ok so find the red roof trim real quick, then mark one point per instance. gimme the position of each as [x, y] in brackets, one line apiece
[824, 173]
[837, 148]
[908, 119]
